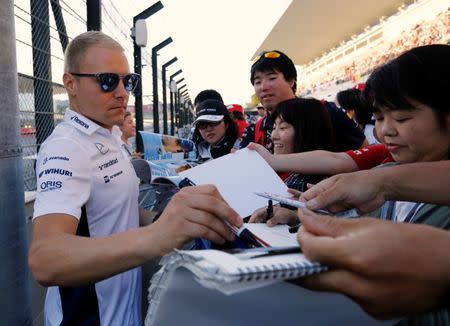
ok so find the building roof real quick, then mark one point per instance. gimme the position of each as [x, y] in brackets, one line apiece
[310, 28]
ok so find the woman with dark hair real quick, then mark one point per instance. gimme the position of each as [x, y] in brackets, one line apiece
[215, 134]
[237, 115]
[352, 102]
[412, 118]
[310, 122]
[301, 125]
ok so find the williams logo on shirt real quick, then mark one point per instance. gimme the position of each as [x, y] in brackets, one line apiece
[102, 148]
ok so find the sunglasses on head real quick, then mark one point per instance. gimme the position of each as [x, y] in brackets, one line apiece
[268, 55]
[109, 81]
[206, 124]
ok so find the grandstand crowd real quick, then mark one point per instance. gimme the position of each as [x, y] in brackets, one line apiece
[425, 31]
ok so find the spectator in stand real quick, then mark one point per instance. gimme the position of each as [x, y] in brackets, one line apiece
[425, 32]
[300, 125]
[128, 130]
[261, 111]
[351, 101]
[237, 115]
[274, 77]
[215, 133]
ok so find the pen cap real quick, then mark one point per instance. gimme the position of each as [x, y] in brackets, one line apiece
[185, 183]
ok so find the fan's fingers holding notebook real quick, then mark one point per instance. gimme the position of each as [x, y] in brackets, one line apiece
[323, 249]
[329, 225]
[336, 280]
[321, 225]
[341, 281]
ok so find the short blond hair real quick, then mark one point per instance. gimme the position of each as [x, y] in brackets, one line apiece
[76, 49]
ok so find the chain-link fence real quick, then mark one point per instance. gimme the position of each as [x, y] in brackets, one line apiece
[28, 112]
[42, 32]
[43, 29]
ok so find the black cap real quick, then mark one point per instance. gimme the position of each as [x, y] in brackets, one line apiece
[211, 110]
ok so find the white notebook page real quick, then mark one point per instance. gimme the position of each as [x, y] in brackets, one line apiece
[238, 176]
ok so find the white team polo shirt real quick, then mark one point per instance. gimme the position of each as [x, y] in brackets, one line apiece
[81, 171]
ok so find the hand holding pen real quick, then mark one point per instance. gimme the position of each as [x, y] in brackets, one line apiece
[273, 215]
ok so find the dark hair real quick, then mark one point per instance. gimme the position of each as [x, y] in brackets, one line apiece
[421, 74]
[207, 94]
[236, 115]
[231, 134]
[282, 64]
[352, 99]
[311, 122]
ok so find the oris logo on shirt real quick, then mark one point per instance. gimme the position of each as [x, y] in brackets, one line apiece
[55, 171]
[81, 123]
[50, 185]
[108, 164]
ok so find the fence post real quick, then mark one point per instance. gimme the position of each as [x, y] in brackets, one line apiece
[94, 15]
[43, 93]
[15, 300]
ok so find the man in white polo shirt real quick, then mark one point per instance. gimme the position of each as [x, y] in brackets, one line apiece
[87, 244]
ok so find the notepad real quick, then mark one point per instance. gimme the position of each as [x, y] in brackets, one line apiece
[272, 236]
[241, 271]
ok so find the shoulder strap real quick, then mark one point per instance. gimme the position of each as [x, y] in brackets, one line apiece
[259, 135]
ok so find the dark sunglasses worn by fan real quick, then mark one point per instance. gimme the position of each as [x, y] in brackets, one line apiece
[108, 80]
[201, 125]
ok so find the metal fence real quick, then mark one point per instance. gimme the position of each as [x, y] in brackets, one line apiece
[28, 112]
[43, 29]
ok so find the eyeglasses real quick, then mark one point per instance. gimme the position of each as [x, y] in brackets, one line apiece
[205, 124]
[268, 55]
[109, 81]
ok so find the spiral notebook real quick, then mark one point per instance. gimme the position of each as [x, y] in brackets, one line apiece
[243, 269]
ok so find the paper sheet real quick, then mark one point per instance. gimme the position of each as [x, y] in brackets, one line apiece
[237, 176]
